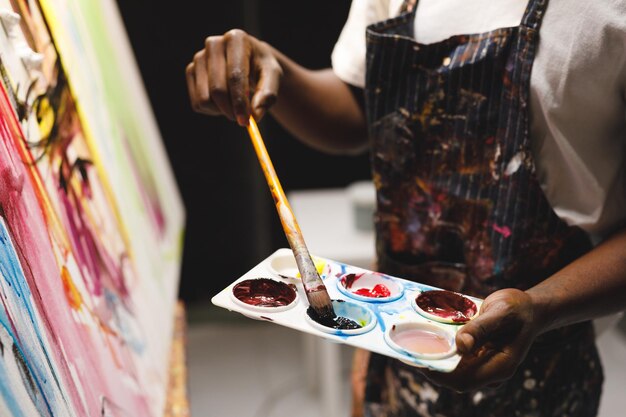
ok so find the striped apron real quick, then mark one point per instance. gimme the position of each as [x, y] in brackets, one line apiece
[459, 207]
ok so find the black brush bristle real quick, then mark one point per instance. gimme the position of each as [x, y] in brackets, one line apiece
[321, 304]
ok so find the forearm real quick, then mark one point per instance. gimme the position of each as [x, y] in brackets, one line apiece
[592, 286]
[319, 109]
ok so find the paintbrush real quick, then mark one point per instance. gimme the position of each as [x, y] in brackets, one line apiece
[313, 285]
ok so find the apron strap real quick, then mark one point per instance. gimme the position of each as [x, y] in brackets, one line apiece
[534, 14]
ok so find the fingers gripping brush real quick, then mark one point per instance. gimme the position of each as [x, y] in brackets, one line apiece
[313, 285]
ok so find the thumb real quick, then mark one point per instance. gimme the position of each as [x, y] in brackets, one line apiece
[266, 92]
[261, 103]
[477, 332]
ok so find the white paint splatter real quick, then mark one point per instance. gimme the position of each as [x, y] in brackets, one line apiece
[514, 164]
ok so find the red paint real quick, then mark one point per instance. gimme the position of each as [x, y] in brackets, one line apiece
[447, 305]
[348, 280]
[264, 292]
[316, 289]
[378, 291]
[503, 230]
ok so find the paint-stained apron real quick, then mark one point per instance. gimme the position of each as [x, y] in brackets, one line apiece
[459, 207]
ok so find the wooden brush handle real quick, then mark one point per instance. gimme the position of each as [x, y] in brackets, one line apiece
[310, 278]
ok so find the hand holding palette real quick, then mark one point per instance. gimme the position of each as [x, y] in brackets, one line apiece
[412, 322]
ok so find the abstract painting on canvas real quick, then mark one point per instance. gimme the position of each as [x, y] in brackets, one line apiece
[91, 221]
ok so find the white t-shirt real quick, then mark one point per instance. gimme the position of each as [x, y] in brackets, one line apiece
[578, 91]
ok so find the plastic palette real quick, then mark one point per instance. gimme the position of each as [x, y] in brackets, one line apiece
[382, 316]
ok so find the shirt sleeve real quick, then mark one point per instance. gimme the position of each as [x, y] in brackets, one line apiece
[348, 56]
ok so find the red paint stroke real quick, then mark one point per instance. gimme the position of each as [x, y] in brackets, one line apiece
[503, 230]
[379, 291]
[78, 352]
[316, 289]
[148, 190]
[348, 280]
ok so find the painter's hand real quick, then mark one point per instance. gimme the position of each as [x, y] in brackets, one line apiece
[235, 75]
[493, 344]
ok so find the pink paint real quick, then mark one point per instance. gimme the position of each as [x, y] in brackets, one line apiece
[421, 341]
[503, 230]
[147, 188]
[90, 360]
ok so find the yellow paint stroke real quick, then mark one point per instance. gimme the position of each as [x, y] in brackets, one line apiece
[319, 266]
[71, 292]
[54, 25]
[76, 302]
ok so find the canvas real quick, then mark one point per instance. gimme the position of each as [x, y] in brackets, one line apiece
[91, 221]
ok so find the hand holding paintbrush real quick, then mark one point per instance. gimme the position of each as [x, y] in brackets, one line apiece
[313, 285]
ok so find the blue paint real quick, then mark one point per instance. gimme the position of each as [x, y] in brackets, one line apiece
[379, 317]
[343, 269]
[7, 393]
[395, 308]
[20, 324]
[341, 334]
[415, 286]
[399, 306]
[123, 319]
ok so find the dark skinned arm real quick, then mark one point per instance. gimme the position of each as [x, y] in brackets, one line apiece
[237, 75]
[590, 287]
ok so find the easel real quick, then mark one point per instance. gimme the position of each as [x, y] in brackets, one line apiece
[177, 403]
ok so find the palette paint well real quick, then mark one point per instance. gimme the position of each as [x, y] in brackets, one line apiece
[446, 306]
[370, 287]
[381, 321]
[352, 319]
[264, 293]
[420, 340]
[337, 322]
[284, 265]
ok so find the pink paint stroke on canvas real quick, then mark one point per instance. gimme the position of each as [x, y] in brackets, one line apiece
[83, 347]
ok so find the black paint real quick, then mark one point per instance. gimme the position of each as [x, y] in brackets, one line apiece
[337, 322]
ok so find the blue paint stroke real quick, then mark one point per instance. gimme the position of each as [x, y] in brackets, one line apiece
[128, 329]
[20, 324]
